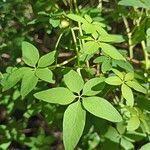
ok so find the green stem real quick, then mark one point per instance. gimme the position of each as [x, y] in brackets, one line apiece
[76, 45]
[76, 6]
[100, 4]
[58, 40]
[63, 63]
[145, 55]
[71, 6]
[57, 43]
[143, 42]
[129, 34]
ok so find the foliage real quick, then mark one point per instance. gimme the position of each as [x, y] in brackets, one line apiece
[75, 74]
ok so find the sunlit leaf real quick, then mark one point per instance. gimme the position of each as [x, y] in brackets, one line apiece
[45, 74]
[133, 123]
[29, 82]
[59, 95]
[111, 51]
[74, 81]
[73, 125]
[101, 108]
[11, 79]
[136, 86]
[127, 94]
[90, 47]
[47, 59]
[118, 73]
[93, 86]
[76, 18]
[112, 38]
[129, 76]
[133, 3]
[30, 54]
[113, 80]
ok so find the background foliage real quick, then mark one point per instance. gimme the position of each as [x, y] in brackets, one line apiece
[75, 74]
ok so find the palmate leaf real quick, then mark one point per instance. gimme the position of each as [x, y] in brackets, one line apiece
[11, 79]
[101, 59]
[113, 80]
[88, 18]
[124, 64]
[112, 134]
[101, 108]
[59, 95]
[126, 144]
[112, 38]
[127, 94]
[30, 54]
[47, 59]
[129, 76]
[73, 81]
[90, 47]
[93, 86]
[118, 73]
[73, 125]
[133, 3]
[111, 51]
[106, 66]
[133, 123]
[136, 86]
[76, 18]
[99, 28]
[29, 81]
[145, 147]
[88, 28]
[45, 74]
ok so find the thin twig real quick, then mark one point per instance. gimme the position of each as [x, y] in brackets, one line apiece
[129, 34]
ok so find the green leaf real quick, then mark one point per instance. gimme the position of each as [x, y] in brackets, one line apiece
[30, 54]
[124, 64]
[129, 76]
[73, 81]
[112, 38]
[113, 80]
[47, 59]
[147, 3]
[90, 47]
[99, 29]
[88, 18]
[100, 59]
[112, 134]
[1, 76]
[13, 78]
[29, 81]
[133, 3]
[93, 86]
[111, 51]
[126, 144]
[136, 86]
[106, 66]
[45, 74]
[118, 73]
[133, 123]
[101, 108]
[4, 145]
[59, 95]
[54, 22]
[145, 147]
[88, 28]
[76, 18]
[127, 94]
[73, 125]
